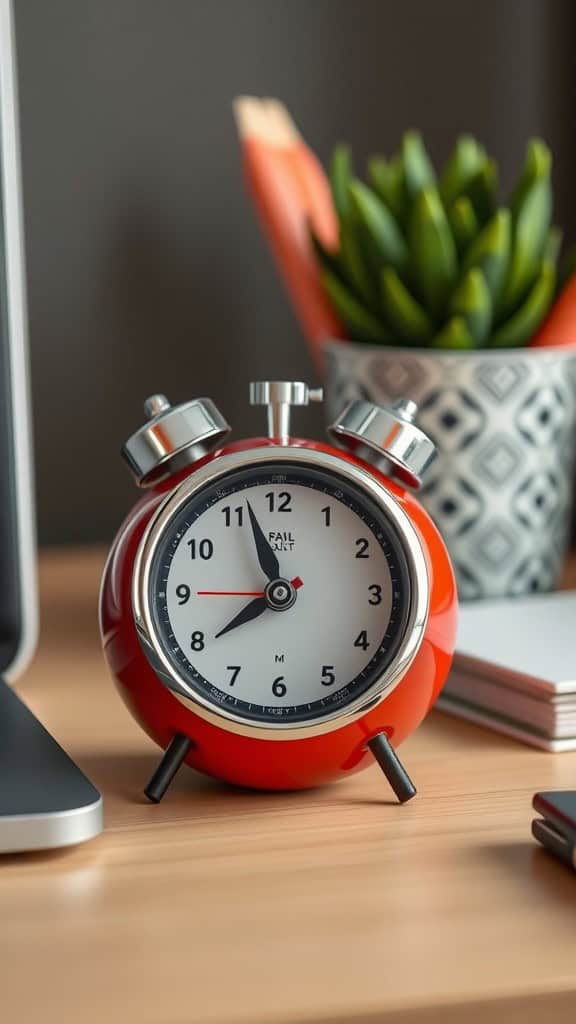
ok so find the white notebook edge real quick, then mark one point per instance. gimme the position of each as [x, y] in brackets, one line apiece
[479, 616]
[503, 676]
[498, 723]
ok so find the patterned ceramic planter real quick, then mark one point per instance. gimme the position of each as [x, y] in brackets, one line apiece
[504, 422]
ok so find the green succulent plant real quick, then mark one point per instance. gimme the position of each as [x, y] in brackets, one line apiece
[434, 260]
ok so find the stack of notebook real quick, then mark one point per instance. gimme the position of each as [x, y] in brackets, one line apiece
[515, 669]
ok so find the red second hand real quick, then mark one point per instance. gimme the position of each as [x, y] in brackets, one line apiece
[296, 583]
[230, 593]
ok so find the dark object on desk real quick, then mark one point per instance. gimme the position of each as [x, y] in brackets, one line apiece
[45, 800]
[556, 830]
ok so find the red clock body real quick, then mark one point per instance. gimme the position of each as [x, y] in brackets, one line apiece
[263, 759]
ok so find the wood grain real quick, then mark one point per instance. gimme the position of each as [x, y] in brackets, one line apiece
[229, 906]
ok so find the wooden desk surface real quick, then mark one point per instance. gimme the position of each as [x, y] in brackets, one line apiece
[229, 906]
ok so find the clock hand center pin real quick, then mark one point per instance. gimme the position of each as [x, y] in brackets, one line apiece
[279, 596]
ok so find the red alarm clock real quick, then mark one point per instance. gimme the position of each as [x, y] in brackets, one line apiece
[278, 612]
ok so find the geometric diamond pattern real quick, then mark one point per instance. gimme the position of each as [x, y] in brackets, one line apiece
[398, 378]
[500, 379]
[453, 415]
[536, 500]
[498, 461]
[454, 504]
[535, 574]
[569, 375]
[541, 416]
[496, 544]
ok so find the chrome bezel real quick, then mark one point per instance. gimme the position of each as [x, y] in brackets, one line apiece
[225, 718]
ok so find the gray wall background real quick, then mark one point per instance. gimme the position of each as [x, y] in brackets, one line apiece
[146, 268]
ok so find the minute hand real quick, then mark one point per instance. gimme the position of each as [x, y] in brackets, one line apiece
[266, 557]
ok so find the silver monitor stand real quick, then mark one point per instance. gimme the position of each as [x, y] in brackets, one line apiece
[45, 800]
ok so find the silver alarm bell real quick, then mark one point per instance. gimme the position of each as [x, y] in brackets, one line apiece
[386, 437]
[174, 437]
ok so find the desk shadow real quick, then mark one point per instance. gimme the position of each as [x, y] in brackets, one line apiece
[529, 861]
[43, 858]
[125, 775]
[557, 878]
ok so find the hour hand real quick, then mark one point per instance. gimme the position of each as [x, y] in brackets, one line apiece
[249, 612]
[266, 557]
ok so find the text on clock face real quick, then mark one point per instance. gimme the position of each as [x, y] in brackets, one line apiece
[281, 540]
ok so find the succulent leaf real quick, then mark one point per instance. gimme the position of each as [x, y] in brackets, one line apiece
[520, 327]
[418, 170]
[537, 165]
[461, 167]
[552, 245]
[379, 176]
[362, 324]
[530, 230]
[403, 313]
[482, 190]
[472, 301]
[463, 221]
[490, 252]
[387, 180]
[454, 334]
[399, 196]
[353, 267]
[341, 172]
[434, 260]
[386, 244]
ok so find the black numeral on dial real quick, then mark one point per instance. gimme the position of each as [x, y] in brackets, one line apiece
[362, 548]
[362, 640]
[233, 513]
[182, 593]
[279, 687]
[197, 641]
[328, 676]
[327, 513]
[204, 548]
[235, 670]
[279, 502]
[376, 592]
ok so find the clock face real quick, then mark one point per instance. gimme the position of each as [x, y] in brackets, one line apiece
[279, 593]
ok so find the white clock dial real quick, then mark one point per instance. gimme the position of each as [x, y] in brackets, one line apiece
[280, 592]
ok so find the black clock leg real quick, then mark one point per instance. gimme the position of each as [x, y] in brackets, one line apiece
[392, 767]
[172, 759]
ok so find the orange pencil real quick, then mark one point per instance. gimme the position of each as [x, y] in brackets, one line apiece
[291, 194]
[559, 328]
